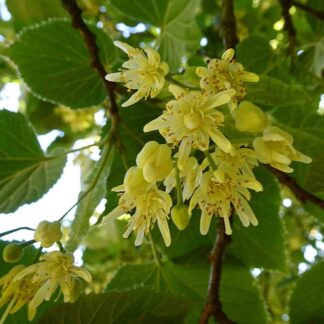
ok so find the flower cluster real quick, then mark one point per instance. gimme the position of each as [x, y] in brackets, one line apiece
[198, 166]
[31, 285]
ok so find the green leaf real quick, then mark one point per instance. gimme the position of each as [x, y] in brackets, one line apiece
[315, 23]
[274, 93]
[176, 19]
[26, 173]
[54, 62]
[180, 34]
[261, 50]
[93, 190]
[307, 300]
[239, 295]
[28, 12]
[263, 245]
[187, 281]
[121, 307]
[151, 11]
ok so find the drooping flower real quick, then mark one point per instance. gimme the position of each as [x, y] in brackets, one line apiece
[192, 118]
[143, 72]
[189, 174]
[217, 198]
[227, 184]
[238, 167]
[47, 233]
[151, 205]
[55, 270]
[275, 147]
[155, 161]
[17, 293]
[225, 73]
[250, 118]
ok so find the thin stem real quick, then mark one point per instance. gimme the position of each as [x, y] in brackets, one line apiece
[90, 41]
[316, 13]
[154, 251]
[60, 245]
[210, 160]
[179, 191]
[301, 194]
[15, 230]
[289, 26]
[78, 149]
[179, 83]
[25, 244]
[93, 184]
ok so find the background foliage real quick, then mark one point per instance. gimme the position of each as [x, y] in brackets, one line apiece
[274, 272]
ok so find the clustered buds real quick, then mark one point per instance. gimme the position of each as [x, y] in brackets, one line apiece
[175, 173]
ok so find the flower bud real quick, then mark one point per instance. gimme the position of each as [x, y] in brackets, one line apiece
[12, 252]
[155, 160]
[180, 216]
[47, 233]
[250, 118]
[134, 182]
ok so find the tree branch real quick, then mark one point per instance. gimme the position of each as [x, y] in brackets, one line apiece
[213, 306]
[228, 26]
[90, 40]
[289, 26]
[301, 194]
[316, 13]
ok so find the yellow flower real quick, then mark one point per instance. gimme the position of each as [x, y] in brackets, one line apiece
[56, 270]
[155, 161]
[17, 293]
[237, 167]
[216, 198]
[190, 175]
[250, 118]
[192, 118]
[226, 184]
[225, 74]
[275, 148]
[151, 205]
[144, 73]
[47, 233]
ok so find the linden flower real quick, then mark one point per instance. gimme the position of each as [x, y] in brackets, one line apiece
[144, 73]
[191, 118]
[151, 205]
[56, 270]
[225, 74]
[47, 233]
[190, 175]
[216, 198]
[17, 293]
[155, 160]
[275, 148]
[237, 167]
